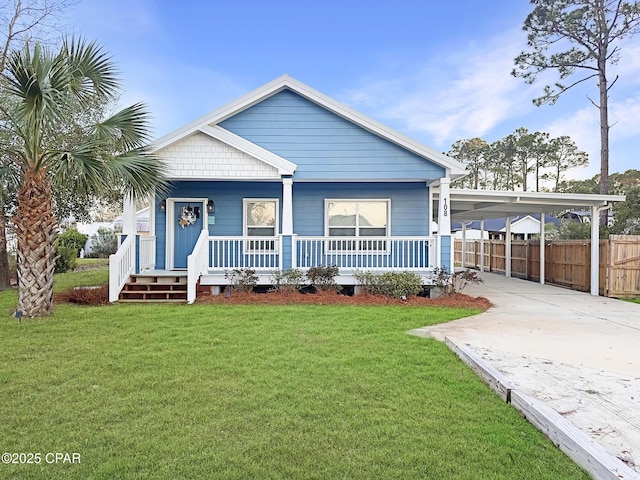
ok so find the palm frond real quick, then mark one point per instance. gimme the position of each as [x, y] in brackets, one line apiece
[139, 173]
[92, 70]
[127, 129]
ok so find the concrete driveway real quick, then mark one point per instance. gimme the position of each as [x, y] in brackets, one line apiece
[578, 353]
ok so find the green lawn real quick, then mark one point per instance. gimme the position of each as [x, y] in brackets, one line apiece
[244, 392]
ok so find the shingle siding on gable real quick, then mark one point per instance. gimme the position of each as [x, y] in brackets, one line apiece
[324, 145]
[200, 156]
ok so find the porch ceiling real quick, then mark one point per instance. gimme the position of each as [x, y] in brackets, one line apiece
[469, 205]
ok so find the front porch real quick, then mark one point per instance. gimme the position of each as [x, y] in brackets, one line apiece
[214, 256]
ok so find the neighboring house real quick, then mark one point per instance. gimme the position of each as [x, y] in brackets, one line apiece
[286, 177]
[91, 229]
[523, 227]
[142, 222]
[580, 216]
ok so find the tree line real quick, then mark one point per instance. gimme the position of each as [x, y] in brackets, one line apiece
[523, 160]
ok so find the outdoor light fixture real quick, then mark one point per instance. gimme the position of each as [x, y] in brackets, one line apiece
[163, 205]
[211, 207]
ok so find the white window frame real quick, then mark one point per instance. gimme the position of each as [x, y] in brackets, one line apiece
[328, 245]
[245, 226]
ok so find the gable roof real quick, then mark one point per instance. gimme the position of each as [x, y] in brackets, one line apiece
[453, 168]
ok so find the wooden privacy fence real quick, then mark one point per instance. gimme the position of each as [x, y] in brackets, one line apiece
[567, 262]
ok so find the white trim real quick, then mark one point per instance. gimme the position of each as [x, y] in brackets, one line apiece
[452, 167]
[477, 204]
[245, 227]
[129, 215]
[287, 206]
[170, 224]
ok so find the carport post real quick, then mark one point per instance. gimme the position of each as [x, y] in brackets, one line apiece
[464, 243]
[542, 247]
[507, 253]
[595, 249]
[482, 245]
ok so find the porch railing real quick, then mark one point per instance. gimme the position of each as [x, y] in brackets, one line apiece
[366, 253]
[122, 264]
[259, 253]
[147, 253]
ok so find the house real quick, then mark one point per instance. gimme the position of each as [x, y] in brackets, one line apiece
[142, 222]
[287, 177]
[523, 227]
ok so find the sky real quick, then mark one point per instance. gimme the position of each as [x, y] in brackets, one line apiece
[435, 71]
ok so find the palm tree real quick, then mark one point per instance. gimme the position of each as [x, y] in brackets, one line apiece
[45, 90]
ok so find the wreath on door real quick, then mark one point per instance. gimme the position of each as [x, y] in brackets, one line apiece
[187, 217]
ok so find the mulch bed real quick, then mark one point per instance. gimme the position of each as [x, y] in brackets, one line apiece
[332, 298]
[100, 295]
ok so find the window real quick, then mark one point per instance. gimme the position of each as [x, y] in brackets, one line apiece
[357, 218]
[260, 220]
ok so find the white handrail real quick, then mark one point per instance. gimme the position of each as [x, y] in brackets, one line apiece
[122, 265]
[196, 264]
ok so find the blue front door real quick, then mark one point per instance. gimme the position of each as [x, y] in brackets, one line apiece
[188, 225]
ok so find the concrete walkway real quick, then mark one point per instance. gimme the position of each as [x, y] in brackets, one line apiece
[578, 353]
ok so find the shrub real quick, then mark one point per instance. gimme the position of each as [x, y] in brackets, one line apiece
[242, 279]
[324, 278]
[442, 279]
[457, 282]
[287, 281]
[400, 284]
[368, 282]
[391, 284]
[67, 247]
[66, 258]
[73, 239]
[463, 278]
[103, 243]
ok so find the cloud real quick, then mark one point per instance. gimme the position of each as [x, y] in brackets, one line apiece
[459, 96]
[583, 127]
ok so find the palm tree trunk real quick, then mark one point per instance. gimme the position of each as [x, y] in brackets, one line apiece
[36, 229]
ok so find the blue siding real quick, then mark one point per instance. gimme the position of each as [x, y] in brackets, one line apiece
[324, 145]
[409, 205]
[445, 255]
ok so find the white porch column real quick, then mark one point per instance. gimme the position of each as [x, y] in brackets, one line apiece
[444, 208]
[128, 215]
[595, 250]
[287, 206]
[507, 253]
[542, 248]
[482, 245]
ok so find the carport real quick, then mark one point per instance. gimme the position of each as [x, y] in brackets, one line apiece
[469, 205]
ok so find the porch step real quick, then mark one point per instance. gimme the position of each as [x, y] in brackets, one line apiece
[165, 288]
